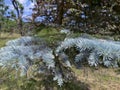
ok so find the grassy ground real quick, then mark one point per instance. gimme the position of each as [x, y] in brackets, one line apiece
[4, 37]
[100, 79]
[94, 79]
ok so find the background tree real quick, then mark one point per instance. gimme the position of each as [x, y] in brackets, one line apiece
[19, 9]
[91, 16]
[3, 9]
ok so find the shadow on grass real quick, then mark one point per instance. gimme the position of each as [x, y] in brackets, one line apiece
[78, 85]
[49, 84]
[118, 71]
[8, 81]
[6, 38]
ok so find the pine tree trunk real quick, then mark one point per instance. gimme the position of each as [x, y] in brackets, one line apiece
[60, 11]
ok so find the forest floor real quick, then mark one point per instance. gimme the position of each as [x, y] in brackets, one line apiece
[97, 79]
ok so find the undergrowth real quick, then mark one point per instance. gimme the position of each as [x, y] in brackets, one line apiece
[92, 79]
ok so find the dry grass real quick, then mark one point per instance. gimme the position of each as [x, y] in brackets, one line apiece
[100, 79]
[9, 35]
[4, 37]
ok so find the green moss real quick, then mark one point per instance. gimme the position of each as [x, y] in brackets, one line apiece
[47, 31]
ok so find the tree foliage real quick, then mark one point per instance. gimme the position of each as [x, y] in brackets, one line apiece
[89, 16]
[3, 9]
[95, 51]
[93, 16]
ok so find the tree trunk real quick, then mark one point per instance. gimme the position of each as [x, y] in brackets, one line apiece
[19, 16]
[20, 26]
[60, 11]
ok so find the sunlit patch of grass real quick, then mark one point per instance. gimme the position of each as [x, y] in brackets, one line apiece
[4, 37]
[9, 35]
[2, 42]
[48, 31]
[99, 79]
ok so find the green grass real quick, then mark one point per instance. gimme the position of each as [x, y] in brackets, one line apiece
[2, 42]
[51, 35]
[47, 31]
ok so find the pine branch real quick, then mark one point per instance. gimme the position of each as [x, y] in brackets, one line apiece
[93, 50]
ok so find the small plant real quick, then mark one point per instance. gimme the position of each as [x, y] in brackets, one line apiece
[32, 56]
